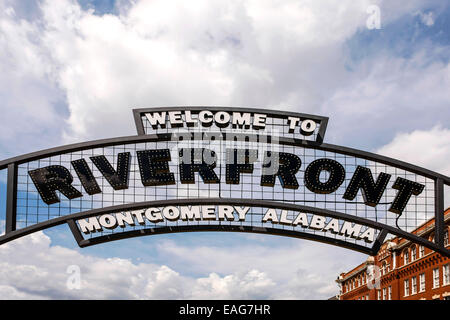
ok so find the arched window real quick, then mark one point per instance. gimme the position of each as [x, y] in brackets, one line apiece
[432, 237]
[446, 238]
[413, 253]
[421, 251]
[406, 256]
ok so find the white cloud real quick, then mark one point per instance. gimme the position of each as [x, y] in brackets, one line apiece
[426, 148]
[214, 53]
[389, 98]
[32, 268]
[299, 269]
[2, 227]
[427, 18]
[68, 74]
[83, 71]
[11, 293]
[28, 93]
[251, 285]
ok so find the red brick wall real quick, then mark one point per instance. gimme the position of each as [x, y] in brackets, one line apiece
[395, 278]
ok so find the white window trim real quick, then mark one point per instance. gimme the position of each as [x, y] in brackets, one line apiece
[413, 291]
[413, 254]
[434, 278]
[445, 283]
[422, 289]
[421, 251]
[406, 293]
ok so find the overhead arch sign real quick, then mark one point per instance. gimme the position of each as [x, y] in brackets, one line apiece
[223, 169]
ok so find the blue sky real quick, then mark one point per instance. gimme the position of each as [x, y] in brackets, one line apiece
[100, 6]
[84, 65]
[403, 37]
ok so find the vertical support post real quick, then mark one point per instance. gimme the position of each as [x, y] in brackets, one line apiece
[321, 133]
[75, 231]
[379, 241]
[138, 121]
[11, 198]
[439, 212]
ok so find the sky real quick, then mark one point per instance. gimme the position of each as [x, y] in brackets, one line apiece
[72, 71]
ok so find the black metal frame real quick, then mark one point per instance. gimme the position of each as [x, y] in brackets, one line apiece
[12, 164]
[383, 229]
[323, 121]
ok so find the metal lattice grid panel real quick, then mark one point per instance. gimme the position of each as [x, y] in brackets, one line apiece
[31, 209]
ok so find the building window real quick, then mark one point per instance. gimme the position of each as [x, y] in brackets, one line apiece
[436, 278]
[378, 294]
[406, 287]
[384, 294]
[413, 285]
[413, 253]
[389, 293]
[446, 274]
[421, 251]
[422, 282]
[367, 297]
[446, 238]
[406, 257]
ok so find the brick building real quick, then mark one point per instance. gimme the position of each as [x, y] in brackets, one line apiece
[406, 271]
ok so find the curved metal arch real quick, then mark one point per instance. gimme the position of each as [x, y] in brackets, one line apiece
[168, 136]
[138, 113]
[12, 164]
[225, 228]
[70, 220]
